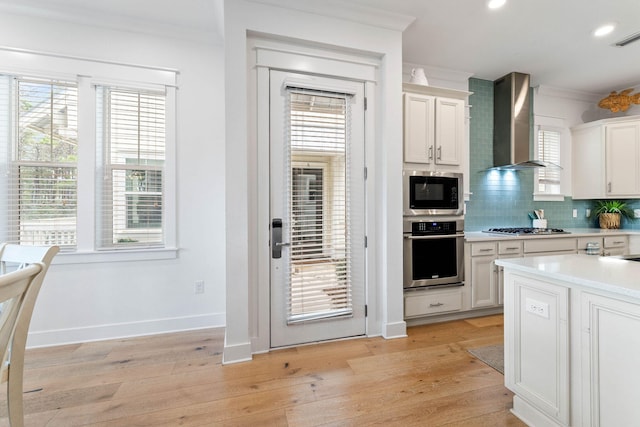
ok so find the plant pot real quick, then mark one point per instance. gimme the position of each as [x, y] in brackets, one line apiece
[609, 220]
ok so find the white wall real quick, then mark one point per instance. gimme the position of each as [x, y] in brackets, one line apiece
[242, 17]
[81, 302]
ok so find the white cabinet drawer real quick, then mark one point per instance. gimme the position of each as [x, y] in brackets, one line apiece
[615, 241]
[549, 245]
[510, 247]
[582, 242]
[432, 302]
[483, 248]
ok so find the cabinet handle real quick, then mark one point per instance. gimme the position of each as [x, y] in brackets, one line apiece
[431, 153]
[609, 187]
[486, 250]
[512, 249]
[618, 242]
[440, 153]
[438, 304]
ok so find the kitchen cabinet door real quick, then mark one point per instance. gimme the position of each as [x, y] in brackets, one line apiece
[449, 128]
[622, 145]
[537, 347]
[484, 275]
[419, 116]
[610, 374]
[588, 174]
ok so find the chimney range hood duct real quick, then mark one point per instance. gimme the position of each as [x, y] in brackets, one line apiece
[511, 127]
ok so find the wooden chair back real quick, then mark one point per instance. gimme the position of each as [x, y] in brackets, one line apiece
[19, 261]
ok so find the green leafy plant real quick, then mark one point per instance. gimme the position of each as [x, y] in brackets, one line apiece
[612, 206]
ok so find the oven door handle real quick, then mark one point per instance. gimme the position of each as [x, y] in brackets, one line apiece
[436, 236]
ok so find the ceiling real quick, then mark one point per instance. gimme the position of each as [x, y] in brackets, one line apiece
[549, 39]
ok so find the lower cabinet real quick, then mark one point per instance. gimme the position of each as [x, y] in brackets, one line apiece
[483, 275]
[537, 347]
[571, 355]
[616, 245]
[610, 374]
[419, 303]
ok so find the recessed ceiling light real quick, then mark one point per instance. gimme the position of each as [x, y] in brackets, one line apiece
[604, 30]
[496, 4]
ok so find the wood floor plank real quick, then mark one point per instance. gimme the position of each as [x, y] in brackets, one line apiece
[427, 378]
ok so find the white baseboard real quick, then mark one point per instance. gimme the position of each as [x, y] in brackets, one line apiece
[124, 330]
[236, 353]
[395, 330]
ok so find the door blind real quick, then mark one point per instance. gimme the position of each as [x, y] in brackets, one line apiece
[317, 170]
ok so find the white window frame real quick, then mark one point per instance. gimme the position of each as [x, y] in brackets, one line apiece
[89, 73]
[543, 123]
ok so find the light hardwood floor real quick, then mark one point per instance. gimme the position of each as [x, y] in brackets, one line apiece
[426, 379]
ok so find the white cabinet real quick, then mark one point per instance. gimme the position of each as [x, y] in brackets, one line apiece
[506, 249]
[616, 245]
[571, 342]
[419, 303]
[610, 374]
[606, 159]
[484, 275]
[583, 241]
[537, 347]
[419, 117]
[435, 130]
[609, 245]
[555, 246]
[622, 153]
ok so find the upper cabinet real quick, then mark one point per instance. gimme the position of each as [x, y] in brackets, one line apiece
[622, 152]
[436, 133]
[606, 159]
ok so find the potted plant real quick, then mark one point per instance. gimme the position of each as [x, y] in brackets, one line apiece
[609, 212]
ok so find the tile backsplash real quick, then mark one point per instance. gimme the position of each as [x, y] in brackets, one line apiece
[504, 198]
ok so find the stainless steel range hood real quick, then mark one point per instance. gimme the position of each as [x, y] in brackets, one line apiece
[511, 123]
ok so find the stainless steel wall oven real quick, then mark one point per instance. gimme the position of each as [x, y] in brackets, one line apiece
[433, 252]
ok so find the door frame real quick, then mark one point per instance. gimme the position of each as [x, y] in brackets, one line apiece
[264, 55]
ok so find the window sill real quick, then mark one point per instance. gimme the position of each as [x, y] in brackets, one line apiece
[115, 256]
[548, 197]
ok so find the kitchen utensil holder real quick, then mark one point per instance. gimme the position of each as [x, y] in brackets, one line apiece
[539, 223]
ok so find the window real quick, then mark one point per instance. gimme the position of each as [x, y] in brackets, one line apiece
[87, 162]
[131, 156]
[549, 182]
[549, 152]
[39, 150]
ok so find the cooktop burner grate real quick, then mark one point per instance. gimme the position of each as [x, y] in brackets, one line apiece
[518, 231]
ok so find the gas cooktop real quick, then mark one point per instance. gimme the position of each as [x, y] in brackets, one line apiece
[525, 231]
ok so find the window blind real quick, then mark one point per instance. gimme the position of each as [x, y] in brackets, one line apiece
[131, 156]
[317, 169]
[549, 151]
[39, 148]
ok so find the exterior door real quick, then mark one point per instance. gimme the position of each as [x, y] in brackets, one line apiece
[317, 189]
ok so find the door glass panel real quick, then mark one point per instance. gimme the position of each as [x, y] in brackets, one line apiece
[319, 283]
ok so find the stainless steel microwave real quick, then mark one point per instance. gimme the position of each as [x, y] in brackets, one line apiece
[432, 193]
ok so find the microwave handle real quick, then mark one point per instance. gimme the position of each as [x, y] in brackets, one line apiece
[435, 236]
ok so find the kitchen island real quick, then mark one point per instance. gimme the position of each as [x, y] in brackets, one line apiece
[572, 339]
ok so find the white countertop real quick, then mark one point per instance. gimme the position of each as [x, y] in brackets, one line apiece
[479, 236]
[609, 274]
